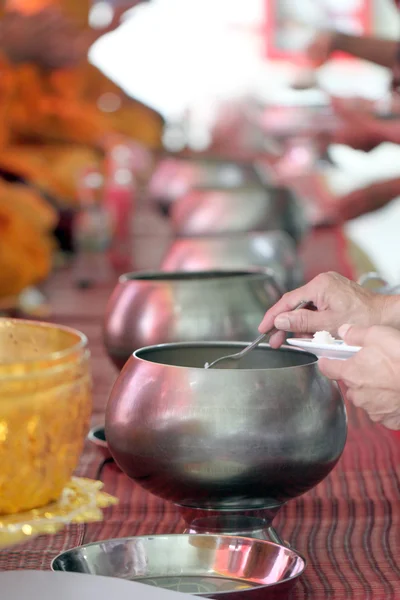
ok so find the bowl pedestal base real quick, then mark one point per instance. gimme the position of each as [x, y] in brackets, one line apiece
[251, 523]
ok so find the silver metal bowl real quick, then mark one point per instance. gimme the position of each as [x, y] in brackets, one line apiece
[247, 438]
[378, 284]
[207, 566]
[174, 177]
[97, 437]
[273, 249]
[153, 308]
[248, 208]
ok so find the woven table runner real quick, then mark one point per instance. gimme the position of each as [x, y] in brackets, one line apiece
[348, 527]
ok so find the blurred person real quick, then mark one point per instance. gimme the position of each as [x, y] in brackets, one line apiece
[53, 124]
[363, 200]
[361, 130]
[382, 52]
[357, 126]
[59, 113]
[372, 376]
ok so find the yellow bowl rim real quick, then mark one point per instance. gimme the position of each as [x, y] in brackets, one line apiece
[53, 356]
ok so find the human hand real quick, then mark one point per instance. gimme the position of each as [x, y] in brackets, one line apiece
[47, 39]
[372, 376]
[364, 200]
[337, 300]
[357, 127]
[321, 47]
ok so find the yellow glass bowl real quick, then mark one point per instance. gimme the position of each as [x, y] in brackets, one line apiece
[45, 408]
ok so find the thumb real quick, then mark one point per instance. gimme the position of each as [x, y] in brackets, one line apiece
[300, 321]
[353, 335]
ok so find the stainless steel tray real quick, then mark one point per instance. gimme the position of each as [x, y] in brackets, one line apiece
[203, 565]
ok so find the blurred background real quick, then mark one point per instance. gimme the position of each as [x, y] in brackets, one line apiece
[125, 122]
[187, 56]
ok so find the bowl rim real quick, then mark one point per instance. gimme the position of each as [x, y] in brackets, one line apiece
[91, 436]
[240, 345]
[81, 344]
[162, 277]
[288, 549]
[246, 236]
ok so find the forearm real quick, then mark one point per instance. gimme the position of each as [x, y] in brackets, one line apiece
[388, 131]
[368, 200]
[379, 51]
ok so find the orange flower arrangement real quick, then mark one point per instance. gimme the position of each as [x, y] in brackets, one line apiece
[53, 131]
[26, 244]
[54, 125]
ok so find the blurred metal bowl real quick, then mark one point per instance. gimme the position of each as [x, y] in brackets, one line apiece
[202, 212]
[378, 284]
[273, 249]
[209, 566]
[154, 308]
[176, 176]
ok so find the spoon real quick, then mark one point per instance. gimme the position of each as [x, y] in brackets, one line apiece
[231, 359]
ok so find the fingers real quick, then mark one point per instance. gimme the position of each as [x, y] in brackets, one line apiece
[317, 293]
[277, 339]
[366, 336]
[288, 302]
[333, 369]
[392, 422]
[352, 335]
[382, 406]
[301, 321]
[340, 107]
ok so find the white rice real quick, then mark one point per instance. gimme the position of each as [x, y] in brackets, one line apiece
[323, 337]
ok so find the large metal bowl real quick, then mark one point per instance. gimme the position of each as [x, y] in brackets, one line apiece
[247, 438]
[153, 308]
[378, 284]
[174, 177]
[273, 249]
[207, 566]
[218, 211]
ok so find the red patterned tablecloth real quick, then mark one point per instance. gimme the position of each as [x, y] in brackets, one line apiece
[348, 527]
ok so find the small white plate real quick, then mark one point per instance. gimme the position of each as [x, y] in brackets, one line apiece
[339, 350]
[47, 585]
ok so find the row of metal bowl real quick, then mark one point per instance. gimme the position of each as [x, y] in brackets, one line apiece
[225, 446]
[210, 197]
[249, 438]
[234, 254]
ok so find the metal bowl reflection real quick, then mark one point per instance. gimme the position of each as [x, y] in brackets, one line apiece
[273, 249]
[208, 566]
[251, 437]
[174, 177]
[153, 308]
[203, 212]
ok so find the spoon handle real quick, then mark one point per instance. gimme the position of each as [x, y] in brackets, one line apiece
[254, 344]
[263, 336]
